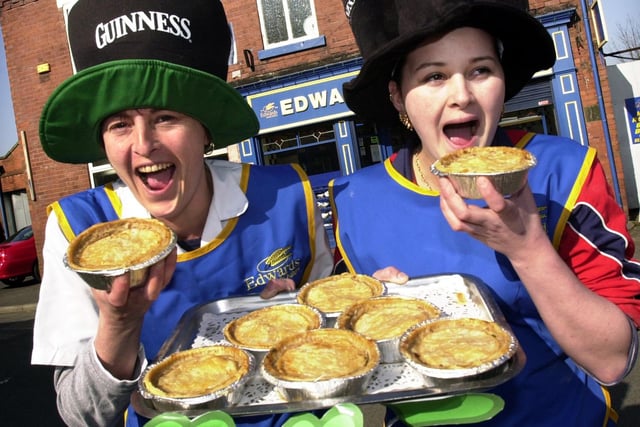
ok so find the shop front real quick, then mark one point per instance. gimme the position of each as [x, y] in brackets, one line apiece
[305, 120]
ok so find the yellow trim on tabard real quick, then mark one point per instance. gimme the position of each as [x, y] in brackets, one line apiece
[525, 140]
[336, 225]
[114, 199]
[611, 416]
[573, 196]
[311, 219]
[336, 222]
[226, 230]
[62, 220]
[406, 183]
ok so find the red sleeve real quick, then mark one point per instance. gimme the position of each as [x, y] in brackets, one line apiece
[596, 244]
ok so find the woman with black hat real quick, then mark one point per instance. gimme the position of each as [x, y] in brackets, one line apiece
[150, 96]
[557, 254]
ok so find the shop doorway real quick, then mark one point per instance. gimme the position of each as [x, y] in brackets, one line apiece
[538, 120]
[313, 147]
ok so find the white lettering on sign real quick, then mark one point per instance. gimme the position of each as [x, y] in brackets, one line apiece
[315, 100]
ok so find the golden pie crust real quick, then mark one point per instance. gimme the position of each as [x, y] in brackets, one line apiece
[386, 317]
[197, 372]
[457, 343]
[322, 354]
[118, 244]
[485, 160]
[263, 328]
[335, 293]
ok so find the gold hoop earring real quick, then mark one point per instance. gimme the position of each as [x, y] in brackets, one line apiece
[208, 149]
[404, 119]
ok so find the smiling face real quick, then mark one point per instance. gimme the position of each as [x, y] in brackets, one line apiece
[159, 155]
[453, 89]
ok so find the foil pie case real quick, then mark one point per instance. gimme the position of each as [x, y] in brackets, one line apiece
[221, 398]
[102, 278]
[455, 296]
[390, 345]
[348, 384]
[507, 183]
[377, 288]
[260, 352]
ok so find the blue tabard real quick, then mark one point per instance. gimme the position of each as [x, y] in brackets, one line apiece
[383, 220]
[273, 238]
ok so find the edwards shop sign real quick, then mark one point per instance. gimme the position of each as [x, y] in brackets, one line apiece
[306, 103]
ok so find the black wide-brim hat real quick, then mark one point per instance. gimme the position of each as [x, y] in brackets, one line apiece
[387, 30]
[163, 54]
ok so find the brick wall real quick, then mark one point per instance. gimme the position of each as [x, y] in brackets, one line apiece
[34, 33]
[332, 23]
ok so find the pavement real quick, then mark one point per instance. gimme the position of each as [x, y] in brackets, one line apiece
[18, 303]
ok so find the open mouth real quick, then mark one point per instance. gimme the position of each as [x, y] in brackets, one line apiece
[461, 134]
[157, 176]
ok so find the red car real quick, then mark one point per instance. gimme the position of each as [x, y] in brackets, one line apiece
[18, 257]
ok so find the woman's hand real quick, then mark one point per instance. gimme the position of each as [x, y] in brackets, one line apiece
[121, 313]
[122, 300]
[275, 286]
[391, 274]
[511, 226]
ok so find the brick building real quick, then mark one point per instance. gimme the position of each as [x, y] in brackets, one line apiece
[290, 67]
[16, 190]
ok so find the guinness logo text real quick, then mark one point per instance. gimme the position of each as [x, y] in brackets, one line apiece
[107, 33]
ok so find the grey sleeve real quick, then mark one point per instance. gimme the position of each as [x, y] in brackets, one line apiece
[633, 351]
[88, 396]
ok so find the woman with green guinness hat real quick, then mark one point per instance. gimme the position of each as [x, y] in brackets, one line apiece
[150, 96]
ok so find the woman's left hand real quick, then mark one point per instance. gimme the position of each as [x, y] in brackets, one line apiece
[276, 286]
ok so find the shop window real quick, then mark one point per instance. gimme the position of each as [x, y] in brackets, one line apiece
[287, 26]
[101, 173]
[538, 120]
[312, 147]
[375, 143]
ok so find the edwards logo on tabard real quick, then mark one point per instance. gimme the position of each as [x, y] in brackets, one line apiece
[109, 32]
[279, 264]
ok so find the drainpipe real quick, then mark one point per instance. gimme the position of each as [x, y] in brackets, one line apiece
[5, 226]
[603, 113]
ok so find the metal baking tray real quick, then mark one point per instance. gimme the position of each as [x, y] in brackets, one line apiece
[455, 295]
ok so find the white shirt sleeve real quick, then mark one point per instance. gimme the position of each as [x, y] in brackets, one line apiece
[66, 314]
